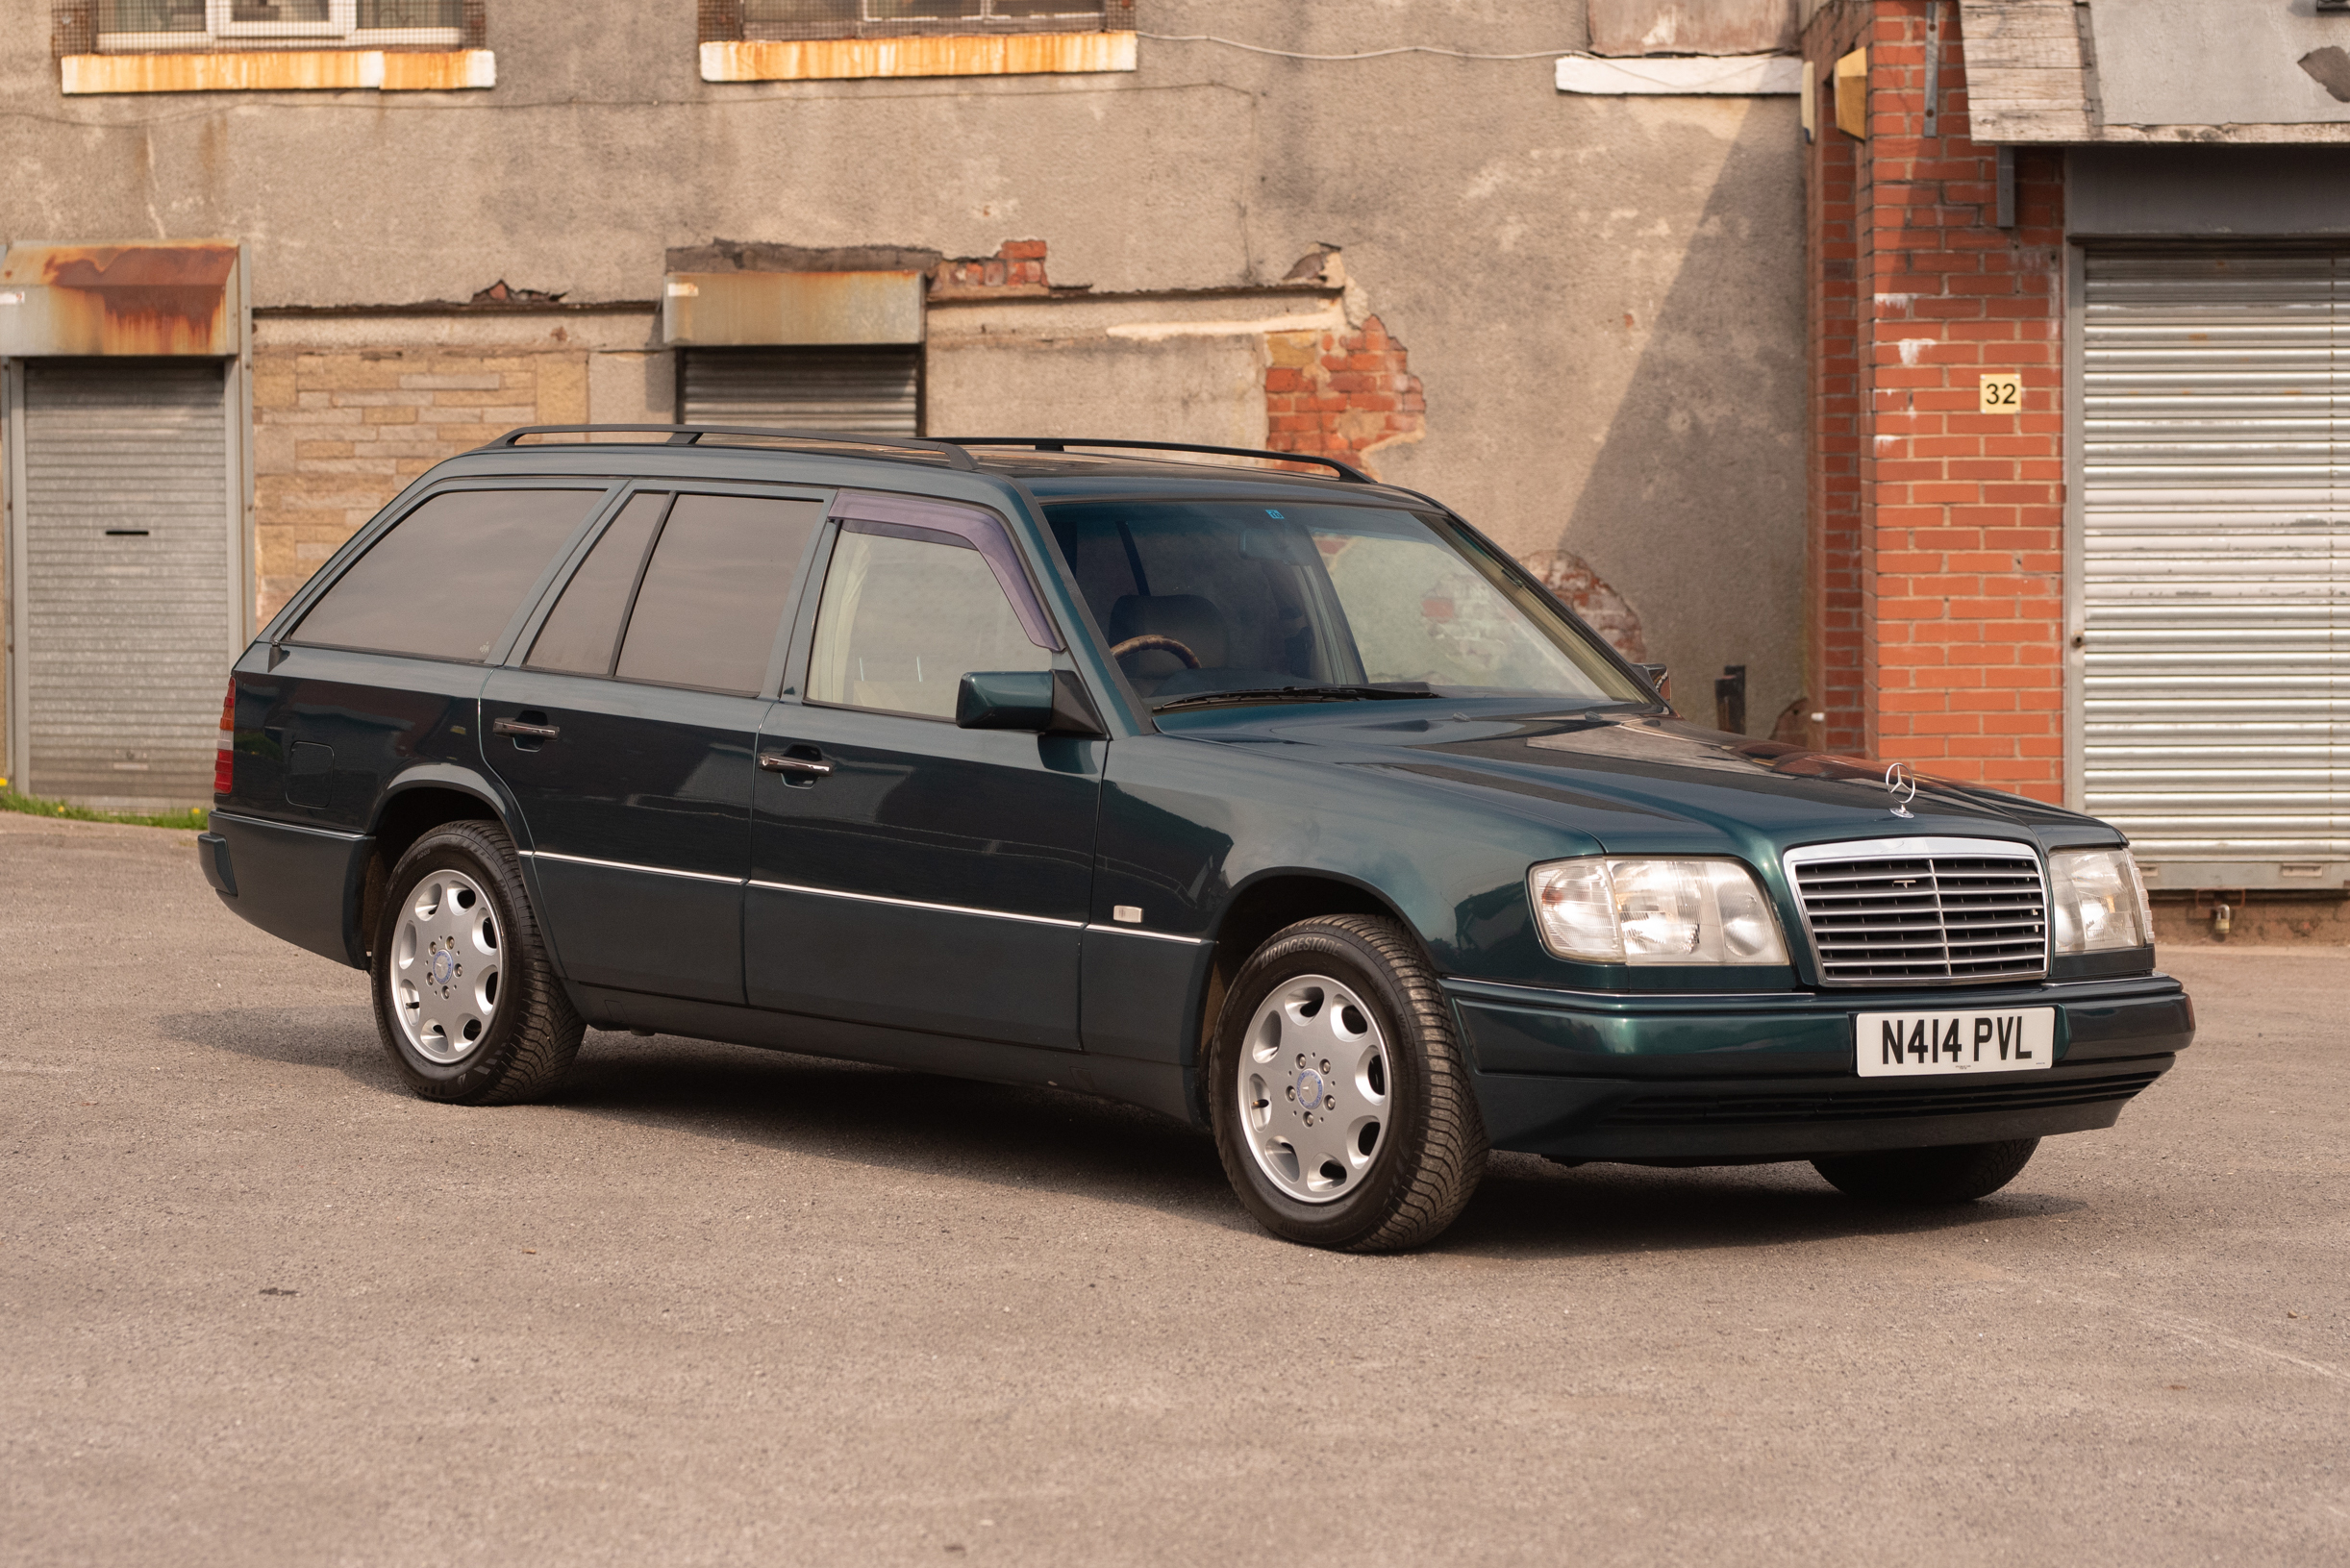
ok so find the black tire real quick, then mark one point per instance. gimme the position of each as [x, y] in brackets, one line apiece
[1955, 1174]
[533, 1032]
[1430, 1153]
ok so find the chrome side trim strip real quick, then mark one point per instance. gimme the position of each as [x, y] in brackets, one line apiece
[289, 827]
[1154, 936]
[624, 865]
[916, 903]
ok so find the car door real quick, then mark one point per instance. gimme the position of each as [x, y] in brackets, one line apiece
[625, 728]
[905, 872]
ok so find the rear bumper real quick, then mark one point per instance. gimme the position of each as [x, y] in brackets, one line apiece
[299, 884]
[1697, 1079]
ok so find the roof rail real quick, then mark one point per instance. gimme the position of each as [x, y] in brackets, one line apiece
[1345, 471]
[689, 434]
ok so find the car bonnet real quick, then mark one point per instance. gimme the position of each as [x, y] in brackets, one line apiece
[1637, 783]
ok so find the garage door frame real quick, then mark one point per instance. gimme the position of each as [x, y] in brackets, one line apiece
[236, 591]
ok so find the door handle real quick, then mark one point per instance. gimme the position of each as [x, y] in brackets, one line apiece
[778, 763]
[524, 732]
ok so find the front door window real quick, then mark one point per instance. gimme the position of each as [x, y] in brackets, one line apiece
[906, 614]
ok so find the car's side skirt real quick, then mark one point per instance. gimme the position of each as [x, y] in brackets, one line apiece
[1154, 1085]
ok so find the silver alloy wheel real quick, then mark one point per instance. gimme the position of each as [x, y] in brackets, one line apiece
[444, 967]
[1314, 1084]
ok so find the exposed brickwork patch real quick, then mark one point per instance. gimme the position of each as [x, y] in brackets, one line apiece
[1018, 268]
[1605, 610]
[1343, 394]
[337, 435]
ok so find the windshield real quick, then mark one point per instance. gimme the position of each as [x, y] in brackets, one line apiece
[1207, 597]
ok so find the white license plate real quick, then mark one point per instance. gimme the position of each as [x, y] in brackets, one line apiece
[1911, 1044]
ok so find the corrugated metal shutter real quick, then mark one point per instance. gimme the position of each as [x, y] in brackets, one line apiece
[867, 392]
[2217, 562]
[127, 578]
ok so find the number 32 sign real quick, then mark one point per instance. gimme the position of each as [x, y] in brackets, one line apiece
[2002, 393]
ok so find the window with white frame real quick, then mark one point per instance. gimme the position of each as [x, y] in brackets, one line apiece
[166, 26]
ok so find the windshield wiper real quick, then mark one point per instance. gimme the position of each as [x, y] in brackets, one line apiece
[1299, 694]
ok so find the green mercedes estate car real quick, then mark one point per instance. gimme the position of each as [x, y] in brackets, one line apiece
[1282, 803]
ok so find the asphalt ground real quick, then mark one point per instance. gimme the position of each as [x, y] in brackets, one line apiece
[259, 1304]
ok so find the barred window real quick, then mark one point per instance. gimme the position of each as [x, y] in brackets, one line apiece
[186, 26]
[741, 20]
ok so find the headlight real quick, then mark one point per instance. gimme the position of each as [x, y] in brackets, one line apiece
[1654, 911]
[2097, 902]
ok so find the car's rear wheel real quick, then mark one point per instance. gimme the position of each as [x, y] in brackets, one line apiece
[1954, 1173]
[465, 1003]
[1343, 1108]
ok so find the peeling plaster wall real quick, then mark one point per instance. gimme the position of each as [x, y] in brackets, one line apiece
[1601, 296]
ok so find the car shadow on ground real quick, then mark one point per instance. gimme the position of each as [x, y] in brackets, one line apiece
[1034, 1139]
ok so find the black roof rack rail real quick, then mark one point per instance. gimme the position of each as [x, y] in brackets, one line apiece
[689, 434]
[1345, 471]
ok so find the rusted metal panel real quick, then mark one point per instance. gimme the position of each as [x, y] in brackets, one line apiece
[1012, 54]
[281, 71]
[1692, 27]
[152, 299]
[740, 309]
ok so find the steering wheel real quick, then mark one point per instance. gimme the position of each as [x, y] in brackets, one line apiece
[1152, 641]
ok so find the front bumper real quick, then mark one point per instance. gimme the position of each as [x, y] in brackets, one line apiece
[1696, 1078]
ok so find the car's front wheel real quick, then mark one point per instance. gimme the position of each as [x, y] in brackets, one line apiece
[1954, 1173]
[465, 1002]
[1343, 1108]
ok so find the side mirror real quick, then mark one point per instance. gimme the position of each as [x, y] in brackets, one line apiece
[1659, 677]
[1047, 702]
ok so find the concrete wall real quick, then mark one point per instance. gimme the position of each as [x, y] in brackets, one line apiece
[1602, 297]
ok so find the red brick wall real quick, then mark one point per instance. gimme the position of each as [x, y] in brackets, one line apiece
[1018, 268]
[1937, 531]
[1343, 394]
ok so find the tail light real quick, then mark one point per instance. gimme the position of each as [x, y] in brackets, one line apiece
[224, 761]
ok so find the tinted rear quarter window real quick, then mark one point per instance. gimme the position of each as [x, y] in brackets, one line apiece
[449, 576]
[583, 632]
[714, 590]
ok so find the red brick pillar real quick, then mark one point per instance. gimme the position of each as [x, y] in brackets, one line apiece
[1935, 530]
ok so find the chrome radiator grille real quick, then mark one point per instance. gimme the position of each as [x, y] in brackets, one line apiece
[1933, 911]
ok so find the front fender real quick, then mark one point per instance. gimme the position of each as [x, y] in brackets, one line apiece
[1188, 827]
[1211, 841]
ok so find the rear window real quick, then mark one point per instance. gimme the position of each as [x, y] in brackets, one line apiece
[582, 633]
[447, 579]
[713, 594]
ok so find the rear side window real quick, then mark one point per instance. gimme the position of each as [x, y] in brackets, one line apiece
[711, 596]
[449, 576]
[582, 633]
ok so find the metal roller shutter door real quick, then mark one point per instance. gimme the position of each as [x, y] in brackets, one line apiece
[2215, 564]
[866, 391]
[129, 612]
